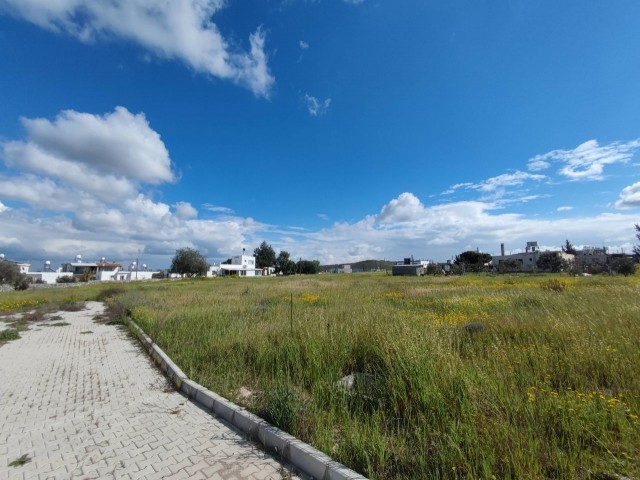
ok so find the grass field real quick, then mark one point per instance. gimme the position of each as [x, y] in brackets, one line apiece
[466, 377]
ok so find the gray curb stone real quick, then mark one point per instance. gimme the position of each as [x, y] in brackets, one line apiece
[309, 460]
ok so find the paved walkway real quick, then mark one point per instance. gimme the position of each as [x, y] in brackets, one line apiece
[84, 401]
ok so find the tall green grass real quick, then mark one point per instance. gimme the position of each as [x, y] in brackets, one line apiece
[545, 385]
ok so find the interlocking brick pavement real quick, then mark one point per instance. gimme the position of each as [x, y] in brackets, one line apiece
[84, 401]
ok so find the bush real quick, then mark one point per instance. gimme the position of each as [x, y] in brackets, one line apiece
[597, 269]
[66, 279]
[508, 266]
[22, 282]
[623, 266]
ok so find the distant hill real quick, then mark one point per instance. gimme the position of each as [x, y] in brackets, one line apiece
[362, 266]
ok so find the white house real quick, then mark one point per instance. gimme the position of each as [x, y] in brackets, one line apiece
[104, 271]
[243, 266]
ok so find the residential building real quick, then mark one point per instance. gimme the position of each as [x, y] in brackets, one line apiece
[526, 261]
[243, 266]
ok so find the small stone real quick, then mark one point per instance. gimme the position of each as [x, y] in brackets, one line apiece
[474, 327]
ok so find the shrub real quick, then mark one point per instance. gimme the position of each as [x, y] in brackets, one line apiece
[623, 266]
[9, 334]
[66, 279]
[508, 266]
[22, 282]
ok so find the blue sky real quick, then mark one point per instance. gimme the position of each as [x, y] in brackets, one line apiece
[337, 130]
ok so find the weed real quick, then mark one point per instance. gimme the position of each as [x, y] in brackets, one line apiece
[71, 306]
[57, 324]
[109, 293]
[553, 285]
[86, 332]
[18, 462]
[282, 407]
[9, 334]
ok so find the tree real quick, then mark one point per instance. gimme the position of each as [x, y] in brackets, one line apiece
[189, 262]
[472, 261]
[575, 266]
[284, 264]
[569, 248]
[265, 255]
[308, 267]
[551, 262]
[623, 266]
[636, 248]
[10, 274]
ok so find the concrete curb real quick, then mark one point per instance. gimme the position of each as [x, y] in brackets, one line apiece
[310, 461]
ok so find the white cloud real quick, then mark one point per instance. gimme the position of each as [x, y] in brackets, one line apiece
[303, 45]
[353, 2]
[405, 226]
[185, 210]
[587, 161]
[3, 207]
[105, 156]
[564, 209]
[507, 180]
[80, 195]
[405, 208]
[182, 30]
[217, 208]
[316, 106]
[323, 216]
[495, 183]
[629, 197]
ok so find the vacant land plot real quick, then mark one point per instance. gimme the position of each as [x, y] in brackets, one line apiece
[468, 377]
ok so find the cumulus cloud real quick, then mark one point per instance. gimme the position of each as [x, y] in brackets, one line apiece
[405, 208]
[185, 210]
[81, 160]
[181, 30]
[105, 155]
[564, 209]
[405, 226]
[3, 207]
[316, 106]
[629, 197]
[587, 161]
[78, 182]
